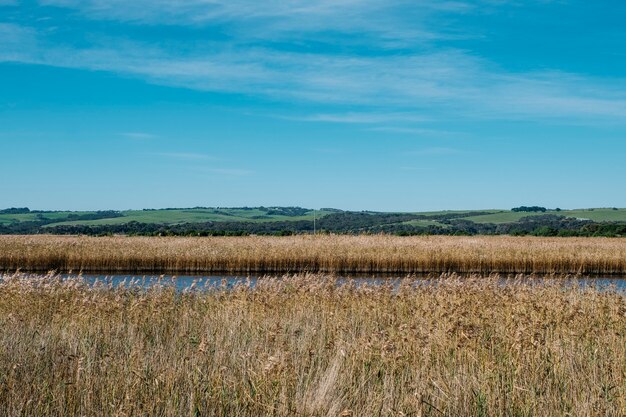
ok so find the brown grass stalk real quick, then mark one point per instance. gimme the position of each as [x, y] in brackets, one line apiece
[303, 346]
[336, 254]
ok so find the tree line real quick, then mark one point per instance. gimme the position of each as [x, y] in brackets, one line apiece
[338, 223]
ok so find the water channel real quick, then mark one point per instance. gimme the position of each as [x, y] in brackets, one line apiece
[207, 282]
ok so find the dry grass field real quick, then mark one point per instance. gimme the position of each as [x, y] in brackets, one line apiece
[303, 346]
[338, 254]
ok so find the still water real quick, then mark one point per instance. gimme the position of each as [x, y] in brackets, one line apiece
[199, 283]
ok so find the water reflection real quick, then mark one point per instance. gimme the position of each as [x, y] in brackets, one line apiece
[199, 283]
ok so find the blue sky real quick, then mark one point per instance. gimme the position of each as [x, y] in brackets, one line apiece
[354, 104]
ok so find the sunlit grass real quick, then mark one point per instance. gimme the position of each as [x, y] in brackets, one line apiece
[304, 346]
[340, 254]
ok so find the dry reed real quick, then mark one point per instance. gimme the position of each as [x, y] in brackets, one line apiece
[338, 254]
[303, 346]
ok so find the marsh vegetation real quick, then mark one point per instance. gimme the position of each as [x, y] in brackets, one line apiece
[303, 345]
[333, 253]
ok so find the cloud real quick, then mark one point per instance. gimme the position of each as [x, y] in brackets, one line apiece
[361, 118]
[401, 79]
[414, 131]
[278, 19]
[159, 11]
[16, 41]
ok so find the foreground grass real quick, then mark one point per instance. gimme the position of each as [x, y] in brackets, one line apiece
[340, 254]
[304, 346]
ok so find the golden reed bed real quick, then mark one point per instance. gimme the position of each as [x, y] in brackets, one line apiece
[303, 346]
[337, 254]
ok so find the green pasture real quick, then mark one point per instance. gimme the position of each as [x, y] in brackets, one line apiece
[31, 217]
[201, 215]
[424, 223]
[596, 214]
[193, 216]
[443, 212]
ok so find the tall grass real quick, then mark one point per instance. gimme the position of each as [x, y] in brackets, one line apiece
[340, 254]
[303, 346]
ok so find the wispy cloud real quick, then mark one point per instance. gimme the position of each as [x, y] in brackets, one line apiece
[17, 42]
[401, 80]
[278, 19]
[369, 117]
[414, 131]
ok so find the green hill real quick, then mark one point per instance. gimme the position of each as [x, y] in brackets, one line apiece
[163, 216]
[280, 220]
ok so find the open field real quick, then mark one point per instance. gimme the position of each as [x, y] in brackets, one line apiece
[166, 216]
[194, 216]
[302, 346]
[178, 216]
[424, 223]
[281, 221]
[596, 215]
[338, 254]
[31, 217]
[201, 215]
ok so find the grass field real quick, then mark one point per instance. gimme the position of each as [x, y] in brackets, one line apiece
[199, 215]
[176, 216]
[424, 223]
[598, 215]
[30, 217]
[332, 253]
[193, 216]
[302, 346]
[258, 215]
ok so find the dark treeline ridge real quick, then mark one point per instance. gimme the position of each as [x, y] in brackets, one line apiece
[96, 215]
[15, 210]
[531, 209]
[338, 223]
[107, 214]
[270, 211]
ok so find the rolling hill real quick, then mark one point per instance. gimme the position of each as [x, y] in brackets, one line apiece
[290, 220]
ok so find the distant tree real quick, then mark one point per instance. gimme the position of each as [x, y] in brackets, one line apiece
[545, 231]
[531, 209]
[15, 210]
